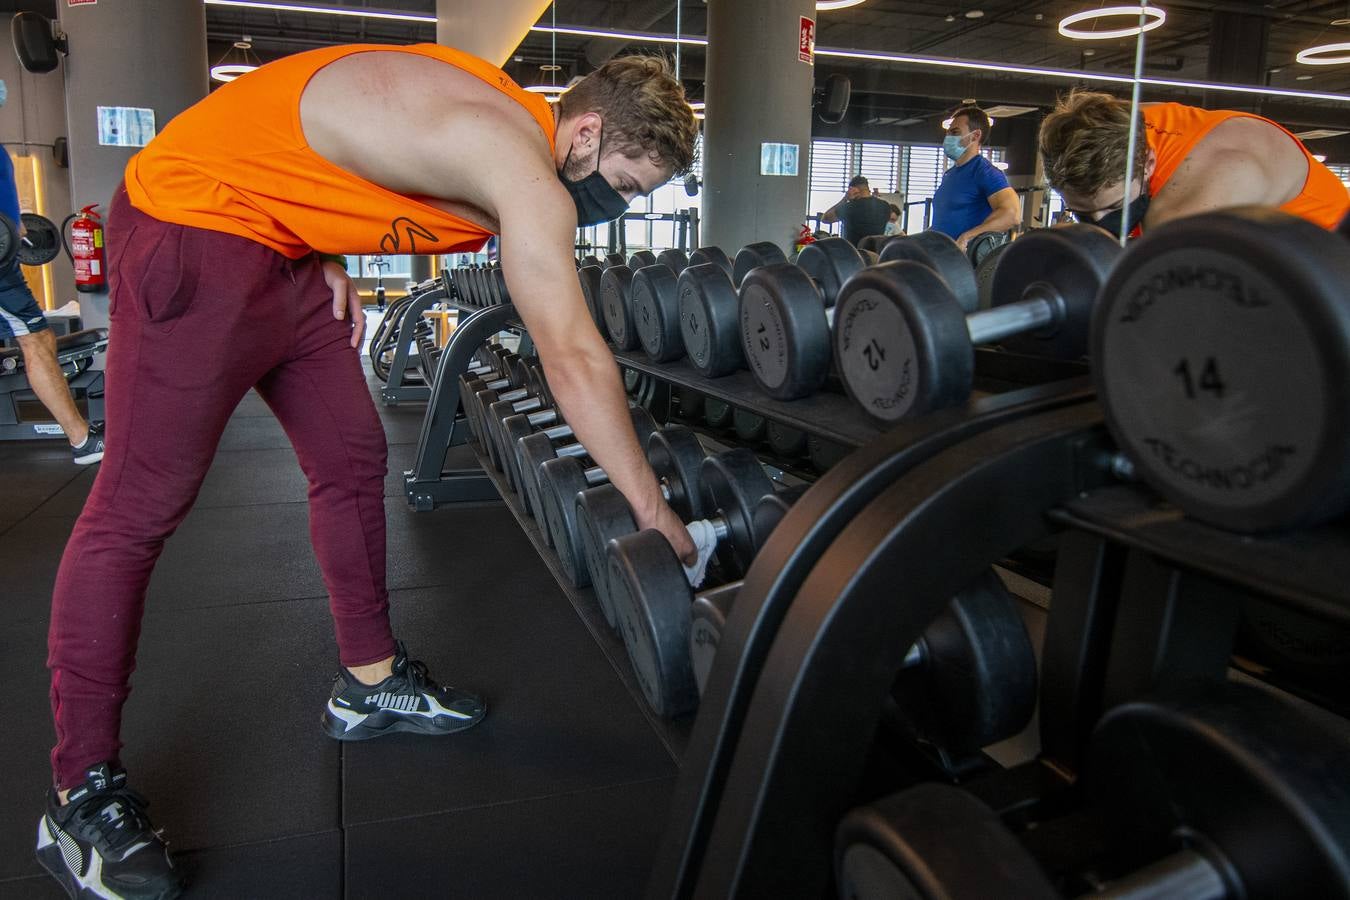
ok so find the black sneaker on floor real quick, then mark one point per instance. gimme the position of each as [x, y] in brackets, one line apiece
[405, 701]
[101, 843]
[91, 451]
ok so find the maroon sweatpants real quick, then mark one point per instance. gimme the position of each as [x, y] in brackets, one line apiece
[198, 318]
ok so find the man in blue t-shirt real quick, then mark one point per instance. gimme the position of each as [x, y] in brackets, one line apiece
[23, 320]
[974, 197]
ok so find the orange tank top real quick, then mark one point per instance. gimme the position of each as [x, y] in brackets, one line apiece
[238, 162]
[1174, 130]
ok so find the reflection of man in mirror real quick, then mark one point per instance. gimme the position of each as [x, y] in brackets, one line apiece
[861, 214]
[1193, 161]
[974, 197]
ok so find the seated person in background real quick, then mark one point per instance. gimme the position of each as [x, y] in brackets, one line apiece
[1193, 161]
[860, 212]
[22, 320]
[974, 197]
[893, 226]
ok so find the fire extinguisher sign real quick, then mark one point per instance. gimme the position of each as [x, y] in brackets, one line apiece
[806, 46]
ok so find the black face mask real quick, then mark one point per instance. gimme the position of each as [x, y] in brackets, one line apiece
[1133, 214]
[594, 197]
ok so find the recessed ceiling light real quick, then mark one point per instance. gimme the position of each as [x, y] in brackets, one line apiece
[1001, 166]
[1004, 111]
[1320, 157]
[1155, 16]
[1039, 16]
[1276, 71]
[975, 14]
[837, 4]
[1316, 133]
[1303, 78]
[950, 18]
[1089, 52]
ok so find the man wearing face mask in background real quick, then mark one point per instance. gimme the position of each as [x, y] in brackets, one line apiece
[1188, 161]
[216, 247]
[22, 320]
[974, 197]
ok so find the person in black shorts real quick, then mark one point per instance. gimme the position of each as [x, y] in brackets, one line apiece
[21, 319]
[860, 212]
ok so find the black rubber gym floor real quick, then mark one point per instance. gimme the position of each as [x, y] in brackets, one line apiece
[559, 793]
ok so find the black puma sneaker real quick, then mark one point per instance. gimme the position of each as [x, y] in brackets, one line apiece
[405, 701]
[101, 843]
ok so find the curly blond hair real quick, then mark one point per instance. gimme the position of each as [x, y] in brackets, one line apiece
[1085, 140]
[643, 107]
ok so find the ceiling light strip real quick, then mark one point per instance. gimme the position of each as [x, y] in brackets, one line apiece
[324, 10]
[1071, 74]
[837, 53]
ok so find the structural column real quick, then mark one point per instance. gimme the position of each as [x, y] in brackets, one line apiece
[137, 55]
[489, 29]
[1237, 54]
[758, 92]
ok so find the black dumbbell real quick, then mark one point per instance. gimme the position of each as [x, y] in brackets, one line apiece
[714, 255]
[689, 402]
[718, 413]
[603, 513]
[749, 428]
[708, 312]
[532, 451]
[785, 441]
[905, 346]
[614, 259]
[590, 278]
[655, 313]
[673, 259]
[616, 306]
[752, 256]
[493, 406]
[785, 318]
[941, 254]
[642, 258]
[652, 599]
[560, 480]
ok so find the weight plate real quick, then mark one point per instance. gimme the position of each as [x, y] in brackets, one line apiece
[830, 262]
[9, 241]
[982, 245]
[752, 256]
[42, 242]
[707, 621]
[531, 453]
[616, 302]
[673, 259]
[709, 320]
[975, 683]
[771, 509]
[733, 482]
[560, 480]
[589, 277]
[786, 441]
[651, 597]
[717, 412]
[690, 403]
[515, 428]
[1067, 265]
[984, 275]
[749, 427]
[713, 255]
[676, 456]
[1255, 781]
[499, 286]
[656, 312]
[784, 331]
[602, 515]
[1222, 358]
[901, 342]
[940, 253]
[641, 259]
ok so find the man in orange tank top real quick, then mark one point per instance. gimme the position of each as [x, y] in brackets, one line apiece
[1188, 161]
[217, 287]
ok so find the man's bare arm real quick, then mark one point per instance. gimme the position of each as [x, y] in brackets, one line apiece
[1243, 161]
[538, 228]
[1006, 213]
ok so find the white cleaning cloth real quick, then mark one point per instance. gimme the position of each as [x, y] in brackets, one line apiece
[705, 538]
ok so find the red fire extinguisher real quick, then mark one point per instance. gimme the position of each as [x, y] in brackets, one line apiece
[86, 250]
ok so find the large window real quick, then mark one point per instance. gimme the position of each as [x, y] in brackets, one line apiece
[1341, 172]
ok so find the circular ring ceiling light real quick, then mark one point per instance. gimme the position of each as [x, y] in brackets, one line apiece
[837, 4]
[1319, 56]
[1155, 15]
[229, 72]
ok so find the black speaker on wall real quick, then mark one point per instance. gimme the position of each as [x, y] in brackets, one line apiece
[834, 99]
[36, 42]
